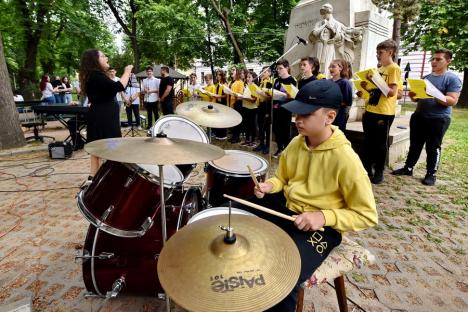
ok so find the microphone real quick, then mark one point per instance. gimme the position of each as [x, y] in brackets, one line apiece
[304, 42]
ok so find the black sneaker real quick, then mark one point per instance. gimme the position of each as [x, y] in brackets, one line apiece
[403, 171]
[429, 179]
[378, 177]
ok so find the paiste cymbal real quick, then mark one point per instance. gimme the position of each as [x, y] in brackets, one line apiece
[201, 272]
[209, 114]
[154, 150]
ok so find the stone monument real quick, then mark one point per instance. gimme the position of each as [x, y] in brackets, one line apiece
[347, 29]
[331, 39]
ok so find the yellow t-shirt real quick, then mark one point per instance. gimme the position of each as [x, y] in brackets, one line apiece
[387, 105]
[205, 97]
[253, 92]
[238, 87]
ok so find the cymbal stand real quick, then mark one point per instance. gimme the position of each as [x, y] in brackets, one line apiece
[163, 221]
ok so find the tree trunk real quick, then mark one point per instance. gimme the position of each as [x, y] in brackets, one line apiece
[10, 131]
[27, 72]
[223, 15]
[463, 99]
[396, 35]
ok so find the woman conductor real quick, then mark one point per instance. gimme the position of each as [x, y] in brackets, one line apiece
[103, 116]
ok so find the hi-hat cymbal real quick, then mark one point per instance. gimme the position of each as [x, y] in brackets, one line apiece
[209, 114]
[154, 151]
[201, 272]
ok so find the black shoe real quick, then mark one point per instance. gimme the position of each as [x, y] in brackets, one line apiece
[429, 179]
[378, 177]
[266, 150]
[259, 148]
[403, 171]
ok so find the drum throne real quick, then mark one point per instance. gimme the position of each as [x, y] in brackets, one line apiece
[348, 256]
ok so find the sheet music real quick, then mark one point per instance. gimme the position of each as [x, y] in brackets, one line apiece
[380, 82]
[433, 91]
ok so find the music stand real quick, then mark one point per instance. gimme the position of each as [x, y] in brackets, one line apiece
[132, 131]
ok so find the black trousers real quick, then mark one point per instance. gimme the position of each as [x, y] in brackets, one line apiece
[136, 111]
[264, 121]
[342, 118]
[152, 108]
[313, 247]
[250, 116]
[166, 106]
[429, 131]
[376, 130]
[282, 127]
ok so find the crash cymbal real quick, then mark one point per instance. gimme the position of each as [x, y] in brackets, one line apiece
[201, 272]
[209, 114]
[154, 150]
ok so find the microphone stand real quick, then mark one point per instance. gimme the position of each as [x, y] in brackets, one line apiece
[272, 67]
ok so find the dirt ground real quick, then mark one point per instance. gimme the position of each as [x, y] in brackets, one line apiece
[420, 242]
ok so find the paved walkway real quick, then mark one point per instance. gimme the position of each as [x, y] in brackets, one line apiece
[420, 243]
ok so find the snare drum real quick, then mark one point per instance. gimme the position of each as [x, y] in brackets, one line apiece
[107, 258]
[177, 127]
[216, 211]
[121, 200]
[229, 175]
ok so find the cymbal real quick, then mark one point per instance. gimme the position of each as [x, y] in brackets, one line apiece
[209, 114]
[201, 272]
[154, 150]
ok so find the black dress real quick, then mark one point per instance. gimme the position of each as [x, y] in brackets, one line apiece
[104, 113]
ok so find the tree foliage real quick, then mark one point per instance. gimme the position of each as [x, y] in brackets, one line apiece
[441, 24]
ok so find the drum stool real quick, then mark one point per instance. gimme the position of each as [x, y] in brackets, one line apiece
[348, 256]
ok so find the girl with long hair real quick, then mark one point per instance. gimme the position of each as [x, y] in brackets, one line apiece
[47, 90]
[340, 72]
[103, 116]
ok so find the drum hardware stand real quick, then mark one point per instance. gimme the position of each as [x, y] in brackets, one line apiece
[163, 213]
[230, 237]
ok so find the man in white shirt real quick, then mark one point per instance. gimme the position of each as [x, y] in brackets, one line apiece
[132, 103]
[150, 90]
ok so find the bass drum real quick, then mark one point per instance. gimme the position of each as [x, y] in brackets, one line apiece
[107, 258]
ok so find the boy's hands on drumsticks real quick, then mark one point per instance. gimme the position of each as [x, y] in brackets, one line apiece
[310, 221]
[262, 189]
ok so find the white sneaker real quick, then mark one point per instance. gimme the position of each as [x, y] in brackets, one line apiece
[140, 128]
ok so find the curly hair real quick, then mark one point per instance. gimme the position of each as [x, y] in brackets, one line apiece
[89, 63]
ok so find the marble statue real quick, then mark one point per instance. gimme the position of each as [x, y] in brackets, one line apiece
[333, 40]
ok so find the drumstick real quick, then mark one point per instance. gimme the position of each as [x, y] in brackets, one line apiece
[254, 178]
[264, 209]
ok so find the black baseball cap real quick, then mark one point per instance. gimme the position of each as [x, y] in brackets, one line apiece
[315, 95]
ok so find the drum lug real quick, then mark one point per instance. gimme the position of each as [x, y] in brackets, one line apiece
[107, 212]
[146, 225]
[103, 255]
[161, 296]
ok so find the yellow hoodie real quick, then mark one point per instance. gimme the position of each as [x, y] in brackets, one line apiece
[329, 178]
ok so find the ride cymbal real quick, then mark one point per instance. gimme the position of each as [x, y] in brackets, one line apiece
[154, 151]
[209, 114]
[201, 272]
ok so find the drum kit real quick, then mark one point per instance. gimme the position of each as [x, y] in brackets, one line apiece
[137, 200]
